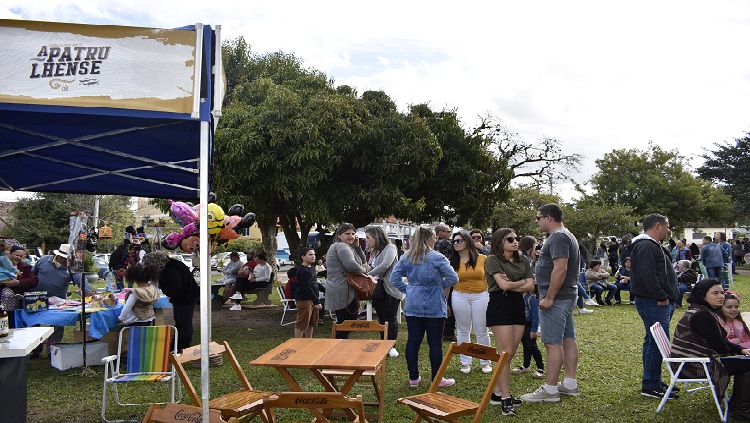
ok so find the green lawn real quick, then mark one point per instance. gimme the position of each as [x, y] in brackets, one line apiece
[609, 376]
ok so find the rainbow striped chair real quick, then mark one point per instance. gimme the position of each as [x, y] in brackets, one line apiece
[147, 361]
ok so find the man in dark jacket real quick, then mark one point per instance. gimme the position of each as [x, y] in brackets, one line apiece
[176, 282]
[653, 282]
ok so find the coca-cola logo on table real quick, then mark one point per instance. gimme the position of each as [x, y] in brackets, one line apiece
[283, 355]
[370, 347]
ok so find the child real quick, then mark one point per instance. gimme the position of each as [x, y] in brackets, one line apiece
[140, 300]
[7, 270]
[737, 332]
[306, 296]
[290, 289]
[530, 348]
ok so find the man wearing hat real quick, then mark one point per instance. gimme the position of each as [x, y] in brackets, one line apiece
[52, 271]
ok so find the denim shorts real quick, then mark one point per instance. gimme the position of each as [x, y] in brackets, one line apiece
[557, 322]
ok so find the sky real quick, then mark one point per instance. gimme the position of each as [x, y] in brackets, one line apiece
[597, 75]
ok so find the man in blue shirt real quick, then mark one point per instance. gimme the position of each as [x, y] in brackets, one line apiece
[52, 271]
[711, 257]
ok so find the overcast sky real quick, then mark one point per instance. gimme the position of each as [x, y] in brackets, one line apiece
[597, 75]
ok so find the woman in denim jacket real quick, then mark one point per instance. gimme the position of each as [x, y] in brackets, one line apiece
[429, 276]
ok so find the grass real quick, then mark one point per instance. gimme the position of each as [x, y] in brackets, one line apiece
[609, 376]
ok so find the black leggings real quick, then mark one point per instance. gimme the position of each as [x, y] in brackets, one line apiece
[183, 321]
[387, 309]
[350, 312]
[531, 349]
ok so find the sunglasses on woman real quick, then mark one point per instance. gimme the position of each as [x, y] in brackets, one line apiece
[458, 241]
[511, 239]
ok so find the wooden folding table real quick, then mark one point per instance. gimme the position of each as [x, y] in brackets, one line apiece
[316, 354]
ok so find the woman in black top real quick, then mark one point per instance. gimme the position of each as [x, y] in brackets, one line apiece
[176, 282]
[699, 334]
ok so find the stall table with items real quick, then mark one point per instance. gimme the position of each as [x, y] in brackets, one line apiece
[102, 314]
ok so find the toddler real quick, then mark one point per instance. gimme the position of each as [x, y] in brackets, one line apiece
[530, 348]
[140, 300]
[737, 332]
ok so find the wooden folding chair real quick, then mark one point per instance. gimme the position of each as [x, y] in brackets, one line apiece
[375, 378]
[435, 406]
[181, 413]
[665, 348]
[314, 401]
[147, 362]
[287, 303]
[244, 402]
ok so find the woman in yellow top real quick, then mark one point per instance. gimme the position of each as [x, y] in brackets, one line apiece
[470, 296]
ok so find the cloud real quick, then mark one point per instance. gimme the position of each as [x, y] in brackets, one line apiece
[597, 75]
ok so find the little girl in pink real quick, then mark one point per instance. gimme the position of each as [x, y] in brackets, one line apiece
[737, 331]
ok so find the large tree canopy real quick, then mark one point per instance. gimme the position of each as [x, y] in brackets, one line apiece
[729, 165]
[658, 181]
[291, 145]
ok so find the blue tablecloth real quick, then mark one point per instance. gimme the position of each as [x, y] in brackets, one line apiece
[100, 321]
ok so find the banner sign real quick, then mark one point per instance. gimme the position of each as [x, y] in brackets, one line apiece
[97, 66]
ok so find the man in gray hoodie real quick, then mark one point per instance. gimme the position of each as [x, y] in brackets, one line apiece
[654, 284]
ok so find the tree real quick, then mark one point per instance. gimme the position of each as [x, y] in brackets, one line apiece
[293, 147]
[729, 165]
[519, 210]
[542, 161]
[655, 181]
[43, 219]
[469, 180]
[590, 219]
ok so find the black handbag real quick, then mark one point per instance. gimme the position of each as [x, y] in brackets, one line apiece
[379, 293]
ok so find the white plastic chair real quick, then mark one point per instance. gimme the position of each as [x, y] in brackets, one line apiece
[287, 303]
[665, 348]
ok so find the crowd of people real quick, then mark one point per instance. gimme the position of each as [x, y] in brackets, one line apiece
[516, 287]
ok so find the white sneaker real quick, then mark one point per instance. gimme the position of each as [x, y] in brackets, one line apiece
[591, 302]
[584, 311]
[235, 307]
[392, 353]
[236, 296]
[486, 369]
[465, 368]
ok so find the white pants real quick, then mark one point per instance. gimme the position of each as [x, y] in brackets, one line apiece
[470, 311]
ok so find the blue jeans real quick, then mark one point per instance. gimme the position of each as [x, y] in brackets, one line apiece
[597, 290]
[582, 295]
[416, 328]
[621, 287]
[651, 313]
[683, 289]
[714, 272]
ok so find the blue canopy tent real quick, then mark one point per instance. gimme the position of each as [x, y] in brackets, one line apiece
[112, 110]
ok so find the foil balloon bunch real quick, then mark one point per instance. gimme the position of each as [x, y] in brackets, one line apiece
[222, 226]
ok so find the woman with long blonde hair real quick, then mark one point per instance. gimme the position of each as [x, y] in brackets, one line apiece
[430, 277]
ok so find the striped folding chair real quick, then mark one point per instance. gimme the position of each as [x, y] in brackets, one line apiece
[147, 361]
[665, 348]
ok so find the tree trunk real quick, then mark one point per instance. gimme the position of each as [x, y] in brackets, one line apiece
[268, 236]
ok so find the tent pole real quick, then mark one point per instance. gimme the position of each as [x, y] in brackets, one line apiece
[205, 269]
